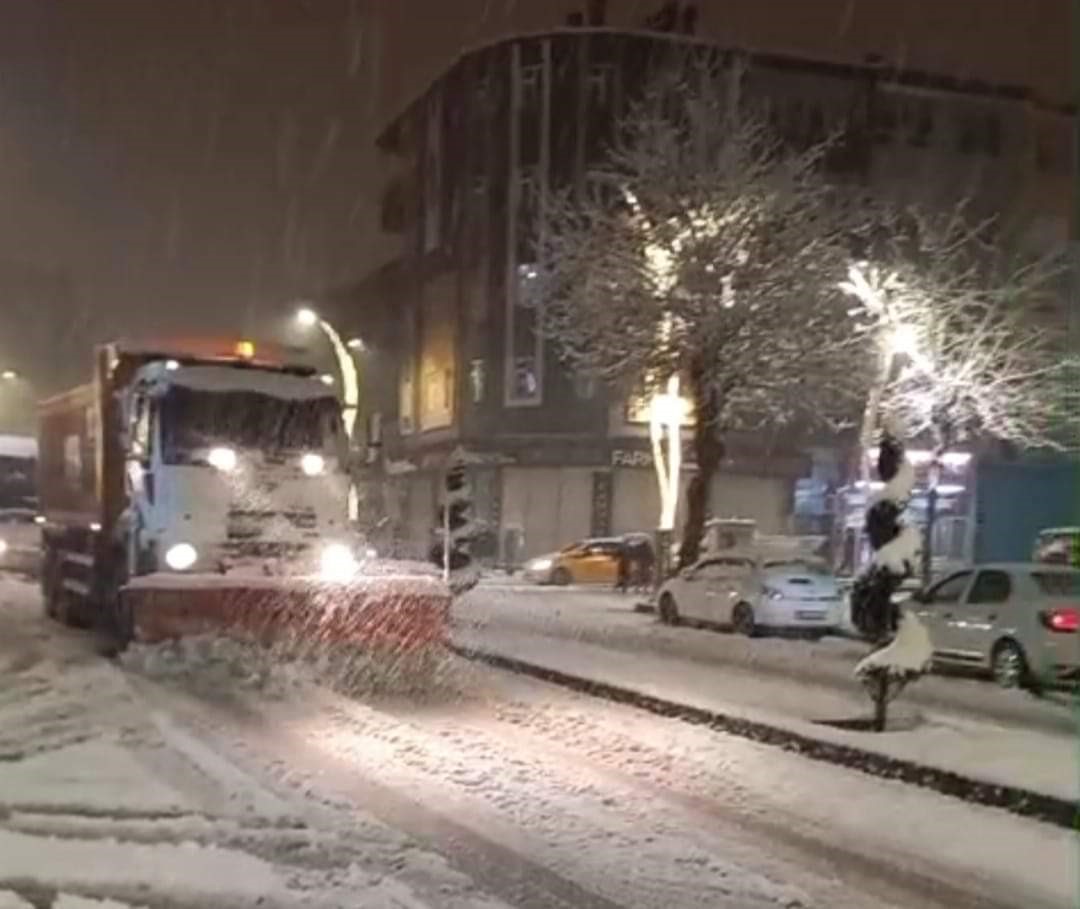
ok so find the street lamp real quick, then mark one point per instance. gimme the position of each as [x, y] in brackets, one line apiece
[306, 317]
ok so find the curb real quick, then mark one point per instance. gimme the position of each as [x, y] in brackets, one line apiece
[1016, 800]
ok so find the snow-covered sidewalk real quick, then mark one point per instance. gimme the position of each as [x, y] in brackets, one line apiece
[106, 803]
[1035, 761]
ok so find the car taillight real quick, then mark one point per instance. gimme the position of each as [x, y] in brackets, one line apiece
[1066, 619]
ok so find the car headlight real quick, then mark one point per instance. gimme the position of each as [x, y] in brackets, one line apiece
[224, 459]
[771, 593]
[312, 464]
[539, 564]
[181, 556]
[3, 547]
[337, 562]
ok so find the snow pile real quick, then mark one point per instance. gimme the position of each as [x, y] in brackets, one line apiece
[211, 663]
[909, 654]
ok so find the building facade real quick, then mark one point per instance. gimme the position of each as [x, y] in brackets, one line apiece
[556, 456]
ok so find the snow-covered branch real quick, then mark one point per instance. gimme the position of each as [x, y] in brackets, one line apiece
[701, 221]
[982, 356]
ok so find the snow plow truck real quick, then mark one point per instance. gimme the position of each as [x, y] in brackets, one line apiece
[200, 487]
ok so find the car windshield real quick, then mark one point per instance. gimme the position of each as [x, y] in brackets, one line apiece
[1058, 583]
[193, 421]
[808, 566]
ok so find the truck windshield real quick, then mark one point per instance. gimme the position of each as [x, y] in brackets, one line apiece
[193, 421]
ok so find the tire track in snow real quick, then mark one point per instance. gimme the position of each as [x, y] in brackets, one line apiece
[501, 871]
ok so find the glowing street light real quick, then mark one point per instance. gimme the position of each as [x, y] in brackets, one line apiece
[306, 317]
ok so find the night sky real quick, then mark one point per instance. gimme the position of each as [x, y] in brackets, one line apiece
[198, 164]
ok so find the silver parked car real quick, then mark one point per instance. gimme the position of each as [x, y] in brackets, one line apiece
[751, 594]
[1018, 621]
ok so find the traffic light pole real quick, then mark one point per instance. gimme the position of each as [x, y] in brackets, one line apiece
[447, 546]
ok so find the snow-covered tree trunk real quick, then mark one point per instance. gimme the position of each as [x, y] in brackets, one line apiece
[709, 451]
[905, 657]
[943, 439]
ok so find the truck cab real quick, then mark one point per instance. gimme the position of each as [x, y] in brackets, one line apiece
[232, 468]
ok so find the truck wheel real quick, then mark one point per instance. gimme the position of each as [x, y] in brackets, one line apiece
[50, 586]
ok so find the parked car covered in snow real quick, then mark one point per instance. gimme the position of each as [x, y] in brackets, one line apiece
[592, 561]
[1018, 621]
[754, 592]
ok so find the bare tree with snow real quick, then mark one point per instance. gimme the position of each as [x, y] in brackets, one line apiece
[703, 248]
[971, 354]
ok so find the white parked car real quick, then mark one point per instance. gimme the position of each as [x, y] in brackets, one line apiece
[1018, 621]
[20, 541]
[752, 594]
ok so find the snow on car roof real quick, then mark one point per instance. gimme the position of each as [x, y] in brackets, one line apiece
[18, 446]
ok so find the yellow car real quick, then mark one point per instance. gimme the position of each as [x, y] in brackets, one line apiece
[593, 561]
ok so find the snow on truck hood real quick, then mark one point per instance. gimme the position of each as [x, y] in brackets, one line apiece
[232, 378]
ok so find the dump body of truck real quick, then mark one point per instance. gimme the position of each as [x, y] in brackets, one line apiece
[193, 488]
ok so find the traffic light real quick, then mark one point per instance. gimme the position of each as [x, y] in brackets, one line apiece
[455, 524]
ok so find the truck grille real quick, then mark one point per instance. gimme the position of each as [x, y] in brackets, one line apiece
[248, 523]
[264, 549]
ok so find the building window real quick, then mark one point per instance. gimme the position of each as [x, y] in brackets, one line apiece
[407, 418]
[531, 83]
[526, 383]
[585, 386]
[528, 290]
[601, 86]
[481, 94]
[477, 380]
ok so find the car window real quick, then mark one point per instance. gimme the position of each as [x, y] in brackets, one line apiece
[595, 549]
[991, 586]
[1058, 583]
[20, 518]
[806, 566]
[950, 590]
[726, 567]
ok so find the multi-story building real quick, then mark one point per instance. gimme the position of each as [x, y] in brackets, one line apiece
[460, 361]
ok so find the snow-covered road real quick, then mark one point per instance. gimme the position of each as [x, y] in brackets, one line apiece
[181, 782]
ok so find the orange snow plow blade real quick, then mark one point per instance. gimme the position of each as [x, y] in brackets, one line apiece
[408, 617]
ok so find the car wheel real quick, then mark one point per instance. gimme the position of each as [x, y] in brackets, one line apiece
[1009, 665]
[669, 612]
[560, 577]
[742, 620]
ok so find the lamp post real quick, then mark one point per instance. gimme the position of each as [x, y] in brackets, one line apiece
[307, 317]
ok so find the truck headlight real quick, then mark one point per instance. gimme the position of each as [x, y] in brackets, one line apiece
[224, 459]
[181, 556]
[337, 562]
[312, 464]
